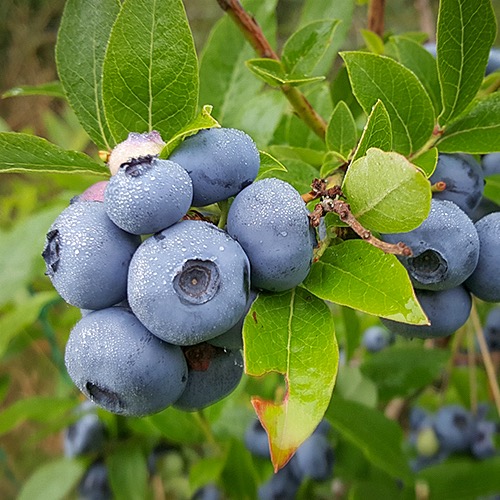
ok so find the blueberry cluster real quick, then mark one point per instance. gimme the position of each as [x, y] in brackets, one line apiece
[455, 251]
[451, 430]
[162, 289]
[314, 460]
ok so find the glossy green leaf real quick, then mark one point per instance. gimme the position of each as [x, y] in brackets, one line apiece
[377, 132]
[150, 77]
[127, 472]
[409, 107]
[81, 45]
[402, 370]
[379, 438]
[225, 82]
[239, 475]
[462, 479]
[311, 156]
[272, 72]
[416, 58]
[268, 164]
[20, 316]
[298, 173]
[178, 426]
[477, 131]
[492, 188]
[306, 47]
[427, 161]
[360, 276]
[203, 120]
[50, 89]
[465, 33]
[38, 409]
[341, 133]
[29, 153]
[386, 192]
[53, 480]
[291, 333]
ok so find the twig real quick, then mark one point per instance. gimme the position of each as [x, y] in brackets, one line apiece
[376, 17]
[255, 36]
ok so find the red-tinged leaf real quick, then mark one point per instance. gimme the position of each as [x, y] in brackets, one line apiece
[291, 333]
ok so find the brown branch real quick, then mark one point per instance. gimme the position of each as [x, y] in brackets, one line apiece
[376, 17]
[255, 36]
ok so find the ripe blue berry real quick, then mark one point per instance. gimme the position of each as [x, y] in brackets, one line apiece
[220, 162]
[491, 164]
[87, 256]
[456, 304]
[147, 195]
[445, 248]
[121, 366]
[484, 282]
[454, 427]
[189, 283]
[270, 221]
[464, 179]
[375, 338]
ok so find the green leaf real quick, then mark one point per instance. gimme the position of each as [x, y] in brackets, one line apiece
[379, 438]
[269, 164]
[416, 58]
[462, 479]
[492, 188]
[53, 481]
[465, 33]
[202, 121]
[205, 471]
[291, 333]
[402, 370]
[225, 82]
[360, 276]
[377, 132]
[427, 161]
[39, 409]
[354, 386]
[386, 192]
[410, 109]
[239, 475]
[307, 155]
[178, 426]
[81, 44]
[477, 131]
[50, 89]
[21, 316]
[150, 70]
[373, 42]
[341, 133]
[298, 173]
[127, 471]
[307, 46]
[29, 153]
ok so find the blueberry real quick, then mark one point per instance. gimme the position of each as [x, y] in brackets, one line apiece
[491, 164]
[208, 492]
[86, 435]
[417, 417]
[136, 145]
[426, 442]
[445, 248]
[484, 282]
[454, 428]
[256, 440]
[95, 192]
[464, 179]
[485, 207]
[147, 195]
[189, 283]
[492, 329]
[213, 373]
[283, 485]
[375, 338]
[447, 311]
[493, 60]
[121, 366]
[87, 256]
[270, 221]
[232, 338]
[220, 162]
[483, 440]
[313, 459]
[94, 485]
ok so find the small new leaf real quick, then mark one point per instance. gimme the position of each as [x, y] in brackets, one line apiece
[341, 133]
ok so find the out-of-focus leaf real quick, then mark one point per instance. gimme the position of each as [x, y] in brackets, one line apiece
[178, 426]
[50, 89]
[239, 475]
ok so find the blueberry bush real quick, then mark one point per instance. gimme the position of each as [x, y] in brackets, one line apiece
[266, 271]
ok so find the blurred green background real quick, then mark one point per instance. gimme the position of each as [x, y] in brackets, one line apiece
[30, 356]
